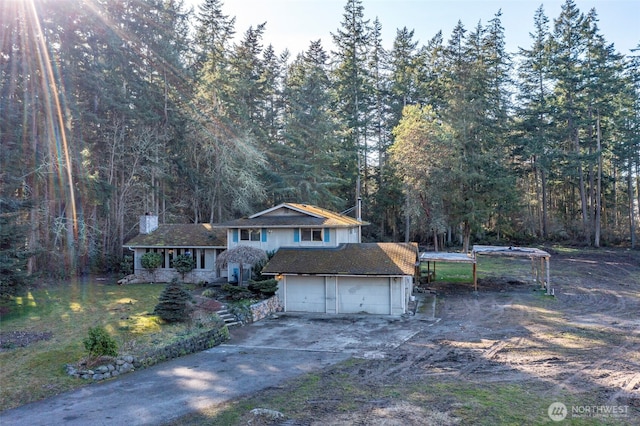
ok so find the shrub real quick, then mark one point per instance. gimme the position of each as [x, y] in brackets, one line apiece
[173, 305]
[259, 266]
[126, 265]
[237, 292]
[210, 293]
[100, 343]
[183, 264]
[151, 261]
[265, 287]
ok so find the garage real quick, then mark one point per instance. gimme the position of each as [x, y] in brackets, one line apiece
[376, 278]
[304, 294]
[357, 294]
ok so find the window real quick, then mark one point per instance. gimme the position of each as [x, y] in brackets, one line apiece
[311, 234]
[249, 235]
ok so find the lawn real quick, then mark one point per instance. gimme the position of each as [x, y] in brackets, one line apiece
[63, 312]
[488, 267]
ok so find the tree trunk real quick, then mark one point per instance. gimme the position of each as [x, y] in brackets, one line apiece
[435, 241]
[583, 198]
[632, 221]
[545, 206]
[615, 197]
[596, 239]
[466, 236]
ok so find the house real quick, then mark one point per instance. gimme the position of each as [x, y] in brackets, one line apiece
[375, 278]
[319, 260]
[290, 225]
[202, 241]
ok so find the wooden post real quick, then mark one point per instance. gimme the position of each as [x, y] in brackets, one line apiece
[533, 270]
[475, 277]
[548, 278]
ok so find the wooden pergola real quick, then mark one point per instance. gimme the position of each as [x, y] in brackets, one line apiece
[540, 260]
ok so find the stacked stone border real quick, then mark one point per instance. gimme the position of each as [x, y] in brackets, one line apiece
[265, 308]
[127, 363]
[200, 342]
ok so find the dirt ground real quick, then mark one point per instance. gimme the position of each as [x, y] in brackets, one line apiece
[581, 347]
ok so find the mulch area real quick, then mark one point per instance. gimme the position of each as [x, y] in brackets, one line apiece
[208, 305]
[15, 339]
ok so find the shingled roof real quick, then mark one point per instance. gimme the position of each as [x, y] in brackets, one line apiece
[181, 235]
[308, 217]
[346, 259]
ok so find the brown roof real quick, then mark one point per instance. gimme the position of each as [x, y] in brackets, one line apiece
[181, 235]
[346, 259]
[310, 216]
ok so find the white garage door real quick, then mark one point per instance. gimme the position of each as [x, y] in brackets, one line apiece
[369, 295]
[305, 294]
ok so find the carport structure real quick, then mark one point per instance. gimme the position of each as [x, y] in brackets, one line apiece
[540, 261]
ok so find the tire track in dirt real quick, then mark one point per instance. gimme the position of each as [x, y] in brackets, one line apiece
[584, 342]
[585, 338]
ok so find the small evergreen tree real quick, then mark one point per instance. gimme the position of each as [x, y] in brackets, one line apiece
[151, 261]
[100, 343]
[173, 303]
[265, 287]
[126, 265]
[183, 264]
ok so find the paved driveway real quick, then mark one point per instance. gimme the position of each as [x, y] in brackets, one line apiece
[258, 356]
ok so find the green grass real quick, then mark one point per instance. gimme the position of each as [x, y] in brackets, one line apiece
[67, 310]
[487, 266]
[451, 272]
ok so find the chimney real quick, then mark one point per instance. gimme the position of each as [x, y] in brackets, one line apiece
[148, 223]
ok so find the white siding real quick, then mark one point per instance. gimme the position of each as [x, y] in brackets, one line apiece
[344, 295]
[304, 294]
[371, 295]
[284, 237]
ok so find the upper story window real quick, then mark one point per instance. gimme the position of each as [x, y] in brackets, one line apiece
[249, 235]
[311, 234]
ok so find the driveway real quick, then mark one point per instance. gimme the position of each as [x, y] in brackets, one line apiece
[256, 357]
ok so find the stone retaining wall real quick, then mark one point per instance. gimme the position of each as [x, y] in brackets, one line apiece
[265, 308]
[126, 363]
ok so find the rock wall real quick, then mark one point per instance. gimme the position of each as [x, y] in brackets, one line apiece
[126, 363]
[265, 308]
[142, 276]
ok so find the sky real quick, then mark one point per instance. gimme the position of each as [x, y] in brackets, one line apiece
[293, 24]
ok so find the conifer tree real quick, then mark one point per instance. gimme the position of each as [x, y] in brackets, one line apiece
[173, 303]
[534, 122]
[351, 93]
[309, 170]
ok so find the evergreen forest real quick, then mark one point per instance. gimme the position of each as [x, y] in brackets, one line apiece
[113, 108]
